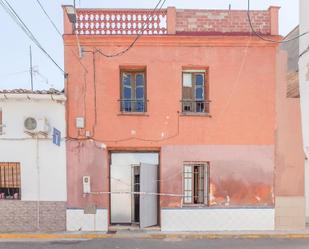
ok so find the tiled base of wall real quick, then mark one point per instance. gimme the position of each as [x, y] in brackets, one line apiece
[77, 220]
[22, 216]
[217, 219]
[290, 213]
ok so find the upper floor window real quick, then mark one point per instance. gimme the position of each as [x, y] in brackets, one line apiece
[133, 91]
[10, 181]
[196, 182]
[194, 92]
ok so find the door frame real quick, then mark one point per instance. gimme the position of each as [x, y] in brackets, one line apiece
[112, 150]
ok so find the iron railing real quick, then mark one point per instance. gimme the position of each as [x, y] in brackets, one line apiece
[133, 105]
[1, 129]
[195, 106]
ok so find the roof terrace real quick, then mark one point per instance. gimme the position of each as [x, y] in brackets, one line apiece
[171, 21]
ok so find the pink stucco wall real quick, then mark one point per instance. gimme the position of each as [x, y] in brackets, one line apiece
[86, 158]
[242, 108]
[244, 173]
[238, 136]
[240, 175]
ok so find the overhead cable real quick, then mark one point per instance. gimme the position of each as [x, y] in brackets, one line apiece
[10, 10]
[268, 39]
[138, 35]
[48, 17]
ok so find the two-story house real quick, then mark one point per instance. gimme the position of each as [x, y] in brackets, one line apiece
[171, 118]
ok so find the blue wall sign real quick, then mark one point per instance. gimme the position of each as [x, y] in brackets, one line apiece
[56, 137]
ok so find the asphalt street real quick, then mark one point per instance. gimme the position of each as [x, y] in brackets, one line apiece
[162, 244]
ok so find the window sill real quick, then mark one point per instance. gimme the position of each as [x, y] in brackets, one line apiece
[204, 206]
[195, 114]
[195, 206]
[10, 199]
[143, 114]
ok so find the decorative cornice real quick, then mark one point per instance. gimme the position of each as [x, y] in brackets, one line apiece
[172, 40]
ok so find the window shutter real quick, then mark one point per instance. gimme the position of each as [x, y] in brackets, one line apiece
[206, 184]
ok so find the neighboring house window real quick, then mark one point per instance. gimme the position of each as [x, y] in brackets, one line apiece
[133, 91]
[196, 177]
[10, 181]
[194, 95]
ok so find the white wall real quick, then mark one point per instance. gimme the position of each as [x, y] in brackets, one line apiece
[304, 87]
[77, 220]
[134, 158]
[17, 146]
[208, 219]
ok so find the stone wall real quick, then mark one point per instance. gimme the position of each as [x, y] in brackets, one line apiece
[22, 216]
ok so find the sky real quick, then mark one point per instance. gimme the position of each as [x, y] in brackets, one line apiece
[14, 56]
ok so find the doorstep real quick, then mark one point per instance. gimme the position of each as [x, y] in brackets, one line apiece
[134, 228]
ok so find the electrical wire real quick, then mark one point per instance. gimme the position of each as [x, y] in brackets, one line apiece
[177, 174]
[304, 52]
[79, 61]
[44, 79]
[268, 39]
[58, 31]
[13, 74]
[95, 92]
[114, 55]
[137, 37]
[129, 138]
[49, 18]
[16, 18]
[136, 193]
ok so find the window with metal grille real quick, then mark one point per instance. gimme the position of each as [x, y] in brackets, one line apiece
[196, 177]
[194, 94]
[133, 91]
[10, 181]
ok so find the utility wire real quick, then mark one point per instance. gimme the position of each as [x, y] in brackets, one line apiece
[137, 37]
[49, 18]
[268, 39]
[95, 50]
[57, 30]
[13, 74]
[10, 10]
[43, 78]
[304, 52]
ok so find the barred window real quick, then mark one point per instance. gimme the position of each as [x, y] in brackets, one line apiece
[196, 183]
[10, 181]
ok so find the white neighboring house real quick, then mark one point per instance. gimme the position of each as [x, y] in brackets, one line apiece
[32, 168]
[304, 88]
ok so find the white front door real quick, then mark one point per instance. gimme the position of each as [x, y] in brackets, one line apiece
[148, 201]
[121, 198]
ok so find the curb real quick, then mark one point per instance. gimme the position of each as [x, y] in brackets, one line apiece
[47, 236]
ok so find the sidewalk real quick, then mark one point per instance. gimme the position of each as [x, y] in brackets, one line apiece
[302, 234]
